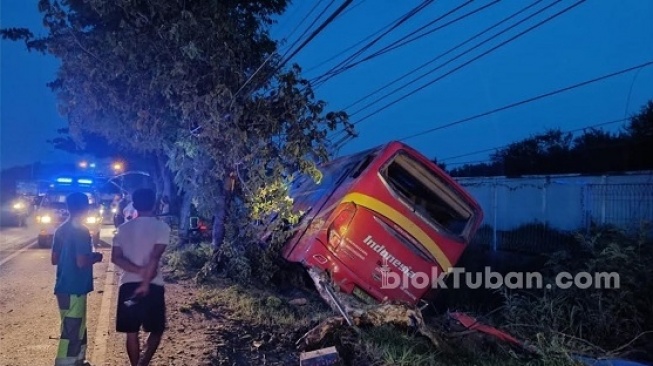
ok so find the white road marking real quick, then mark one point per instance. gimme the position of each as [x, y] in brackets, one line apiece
[7, 245]
[18, 252]
[99, 351]
[98, 354]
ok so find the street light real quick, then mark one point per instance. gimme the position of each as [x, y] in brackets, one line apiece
[117, 167]
[83, 164]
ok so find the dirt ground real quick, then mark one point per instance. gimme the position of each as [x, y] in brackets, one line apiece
[187, 341]
[201, 333]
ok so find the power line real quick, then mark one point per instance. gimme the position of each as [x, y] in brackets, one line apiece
[352, 8]
[402, 77]
[351, 58]
[380, 30]
[267, 59]
[394, 26]
[405, 40]
[507, 145]
[306, 31]
[319, 29]
[528, 100]
[470, 61]
[348, 138]
[401, 43]
[471, 162]
[251, 77]
[302, 20]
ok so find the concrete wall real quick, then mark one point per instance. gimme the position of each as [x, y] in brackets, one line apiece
[564, 202]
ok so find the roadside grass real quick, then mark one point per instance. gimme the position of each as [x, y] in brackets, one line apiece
[386, 346]
[558, 323]
[255, 310]
[261, 307]
[184, 262]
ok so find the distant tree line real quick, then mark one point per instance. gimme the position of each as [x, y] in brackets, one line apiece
[594, 151]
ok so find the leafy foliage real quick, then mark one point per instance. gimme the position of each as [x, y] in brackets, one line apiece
[596, 321]
[199, 81]
[187, 259]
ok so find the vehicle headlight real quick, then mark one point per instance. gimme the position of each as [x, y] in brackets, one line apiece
[91, 220]
[19, 206]
[46, 219]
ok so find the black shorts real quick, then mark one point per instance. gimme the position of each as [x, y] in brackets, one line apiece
[148, 312]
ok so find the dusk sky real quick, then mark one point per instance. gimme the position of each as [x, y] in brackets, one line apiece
[596, 38]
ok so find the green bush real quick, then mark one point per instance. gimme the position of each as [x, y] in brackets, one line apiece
[592, 320]
[188, 259]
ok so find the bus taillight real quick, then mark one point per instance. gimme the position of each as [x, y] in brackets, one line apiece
[340, 225]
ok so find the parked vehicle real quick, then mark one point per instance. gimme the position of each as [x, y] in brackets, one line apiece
[105, 211]
[16, 212]
[199, 230]
[388, 209]
[52, 211]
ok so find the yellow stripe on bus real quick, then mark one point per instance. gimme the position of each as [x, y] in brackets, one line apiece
[403, 222]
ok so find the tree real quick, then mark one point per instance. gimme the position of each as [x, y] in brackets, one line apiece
[197, 81]
[478, 170]
[441, 165]
[640, 133]
[595, 151]
[540, 154]
[641, 124]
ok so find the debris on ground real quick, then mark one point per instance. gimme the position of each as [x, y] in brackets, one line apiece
[321, 357]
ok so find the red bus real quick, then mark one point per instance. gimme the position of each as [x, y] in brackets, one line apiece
[384, 210]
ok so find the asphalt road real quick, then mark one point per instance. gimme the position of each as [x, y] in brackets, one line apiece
[12, 239]
[29, 318]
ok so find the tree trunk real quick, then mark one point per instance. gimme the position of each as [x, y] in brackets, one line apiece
[158, 181]
[221, 215]
[221, 212]
[184, 213]
[219, 221]
[167, 185]
[165, 175]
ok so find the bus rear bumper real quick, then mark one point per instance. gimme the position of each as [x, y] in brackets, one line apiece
[344, 279]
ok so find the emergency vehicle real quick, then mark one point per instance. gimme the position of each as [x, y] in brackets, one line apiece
[52, 211]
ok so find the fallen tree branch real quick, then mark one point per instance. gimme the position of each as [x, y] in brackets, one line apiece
[360, 315]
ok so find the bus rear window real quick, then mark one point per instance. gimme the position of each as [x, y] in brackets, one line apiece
[427, 194]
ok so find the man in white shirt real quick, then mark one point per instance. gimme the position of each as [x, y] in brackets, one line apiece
[130, 212]
[137, 250]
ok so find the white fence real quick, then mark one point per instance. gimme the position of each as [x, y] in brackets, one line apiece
[564, 202]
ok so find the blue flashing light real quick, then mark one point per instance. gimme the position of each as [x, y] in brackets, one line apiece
[64, 180]
[92, 165]
[84, 181]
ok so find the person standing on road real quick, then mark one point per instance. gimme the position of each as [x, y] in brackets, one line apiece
[137, 249]
[72, 253]
[130, 212]
[164, 209]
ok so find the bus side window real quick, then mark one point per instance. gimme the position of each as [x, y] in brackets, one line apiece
[363, 165]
